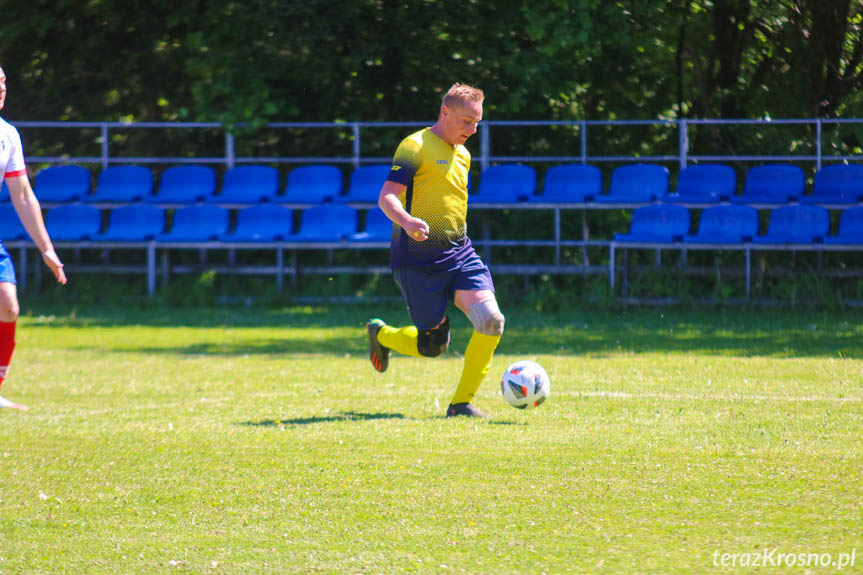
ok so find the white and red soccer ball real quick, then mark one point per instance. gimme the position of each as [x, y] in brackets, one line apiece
[525, 385]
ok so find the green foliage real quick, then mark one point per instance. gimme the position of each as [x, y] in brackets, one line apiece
[367, 60]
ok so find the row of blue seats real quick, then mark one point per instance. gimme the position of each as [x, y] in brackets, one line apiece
[195, 184]
[661, 223]
[697, 184]
[729, 224]
[510, 183]
[202, 223]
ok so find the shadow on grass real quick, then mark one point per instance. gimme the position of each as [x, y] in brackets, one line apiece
[339, 330]
[597, 341]
[344, 416]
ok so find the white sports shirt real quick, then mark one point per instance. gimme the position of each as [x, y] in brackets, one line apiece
[11, 154]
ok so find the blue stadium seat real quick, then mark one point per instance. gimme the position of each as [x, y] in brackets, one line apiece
[704, 184]
[772, 184]
[366, 184]
[726, 225]
[248, 185]
[11, 228]
[573, 183]
[313, 185]
[837, 184]
[636, 184]
[135, 223]
[262, 223]
[505, 184]
[185, 185]
[126, 184]
[197, 224]
[73, 222]
[379, 228]
[796, 225]
[59, 184]
[325, 223]
[850, 228]
[657, 224]
[4, 192]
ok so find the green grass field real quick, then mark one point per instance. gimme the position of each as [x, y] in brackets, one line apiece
[262, 441]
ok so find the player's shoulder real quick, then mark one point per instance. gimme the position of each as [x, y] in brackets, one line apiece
[411, 145]
[9, 131]
[6, 127]
[415, 140]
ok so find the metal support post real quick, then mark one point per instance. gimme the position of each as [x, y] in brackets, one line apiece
[683, 142]
[582, 133]
[818, 143]
[484, 145]
[106, 154]
[229, 150]
[151, 268]
[280, 268]
[356, 129]
[748, 273]
[611, 268]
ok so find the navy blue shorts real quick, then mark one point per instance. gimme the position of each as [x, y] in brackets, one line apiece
[428, 293]
[7, 270]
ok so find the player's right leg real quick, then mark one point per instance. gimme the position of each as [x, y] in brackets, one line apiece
[8, 319]
[426, 299]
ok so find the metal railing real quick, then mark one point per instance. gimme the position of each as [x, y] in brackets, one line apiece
[487, 157]
[679, 130]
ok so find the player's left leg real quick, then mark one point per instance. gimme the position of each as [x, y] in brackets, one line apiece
[481, 308]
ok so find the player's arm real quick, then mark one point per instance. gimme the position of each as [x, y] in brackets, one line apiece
[30, 214]
[391, 205]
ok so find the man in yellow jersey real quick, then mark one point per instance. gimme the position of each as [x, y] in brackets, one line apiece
[432, 258]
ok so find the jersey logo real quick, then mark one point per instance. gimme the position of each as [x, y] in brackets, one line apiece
[396, 168]
[442, 162]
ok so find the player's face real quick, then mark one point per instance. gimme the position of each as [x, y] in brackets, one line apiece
[2, 88]
[462, 120]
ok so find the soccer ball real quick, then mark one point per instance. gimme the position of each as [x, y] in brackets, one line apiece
[525, 385]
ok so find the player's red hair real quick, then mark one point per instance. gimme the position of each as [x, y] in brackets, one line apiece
[462, 93]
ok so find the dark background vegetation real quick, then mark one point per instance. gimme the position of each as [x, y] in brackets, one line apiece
[262, 61]
[323, 60]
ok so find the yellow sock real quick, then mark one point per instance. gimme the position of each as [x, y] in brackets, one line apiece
[477, 358]
[402, 340]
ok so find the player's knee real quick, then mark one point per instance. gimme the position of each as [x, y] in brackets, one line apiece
[486, 317]
[495, 326]
[433, 342]
[8, 310]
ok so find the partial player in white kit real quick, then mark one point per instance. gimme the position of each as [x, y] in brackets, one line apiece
[27, 207]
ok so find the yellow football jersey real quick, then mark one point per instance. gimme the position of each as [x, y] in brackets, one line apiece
[436, 175]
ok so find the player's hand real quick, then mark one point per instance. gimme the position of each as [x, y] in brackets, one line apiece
[52, 261]
[417, 229]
